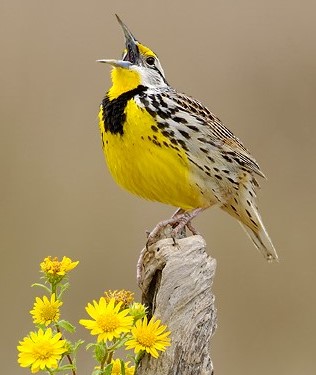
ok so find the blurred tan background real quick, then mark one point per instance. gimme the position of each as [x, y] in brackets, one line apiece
[251, 62]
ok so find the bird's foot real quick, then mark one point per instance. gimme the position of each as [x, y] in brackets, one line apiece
[174, 227]
[164, 229]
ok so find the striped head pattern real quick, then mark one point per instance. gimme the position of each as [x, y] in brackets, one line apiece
[139, 66]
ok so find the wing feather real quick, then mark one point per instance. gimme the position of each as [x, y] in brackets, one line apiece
[214, 131]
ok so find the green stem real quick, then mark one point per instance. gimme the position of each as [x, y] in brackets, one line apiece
[70, 362]
[138, 358]
[118, 342]
[102, 363]
[110, 356]
[107, 358]
[54, 289]
[67, 355]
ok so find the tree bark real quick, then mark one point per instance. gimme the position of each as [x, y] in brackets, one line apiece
[176, 277]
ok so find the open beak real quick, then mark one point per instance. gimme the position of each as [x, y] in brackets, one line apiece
[116, 63]
[131, 54]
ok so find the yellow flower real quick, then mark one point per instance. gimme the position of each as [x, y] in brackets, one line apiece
[53, 267]
[109, 321]
[41, 350]
[46, 311]
[124, 296]
[148, 337]
[116, 369]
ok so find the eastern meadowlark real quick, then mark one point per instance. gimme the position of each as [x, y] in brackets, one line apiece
[165, 146]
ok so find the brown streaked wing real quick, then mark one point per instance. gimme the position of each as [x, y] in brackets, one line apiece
[215, 130]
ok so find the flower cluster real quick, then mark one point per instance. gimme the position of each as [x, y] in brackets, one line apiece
[45, 349]
[115, 320]
[55, 270]
[124, 296]
[116, 325]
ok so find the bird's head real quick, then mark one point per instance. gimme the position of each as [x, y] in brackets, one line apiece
[139, 66]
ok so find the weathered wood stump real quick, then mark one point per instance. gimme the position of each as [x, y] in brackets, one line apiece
[176, 277]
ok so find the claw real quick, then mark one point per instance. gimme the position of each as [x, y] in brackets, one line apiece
[192, 229]
[177, 223]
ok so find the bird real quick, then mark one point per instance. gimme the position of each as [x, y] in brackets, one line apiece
[165, 146]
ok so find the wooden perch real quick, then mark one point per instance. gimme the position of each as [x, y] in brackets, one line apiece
[176, 278]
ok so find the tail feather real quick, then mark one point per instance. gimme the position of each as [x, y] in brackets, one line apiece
[243, 207]
[262, 241]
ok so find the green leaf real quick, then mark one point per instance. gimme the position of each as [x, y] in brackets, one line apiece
[92, 344]
[77, 344]
[63, 288]
[100, 352]
[108, 369]
[41, 286]
[66, 367]
[139, 357]
[122, 367]
[41, 326]
[120, 343]
[66, 326]
[97, 372]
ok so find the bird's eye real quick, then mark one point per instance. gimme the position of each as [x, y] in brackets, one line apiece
[150, 60]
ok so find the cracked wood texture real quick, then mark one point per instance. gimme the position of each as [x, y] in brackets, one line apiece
[176, 278]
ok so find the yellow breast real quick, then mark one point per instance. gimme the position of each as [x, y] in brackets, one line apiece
[146, 163]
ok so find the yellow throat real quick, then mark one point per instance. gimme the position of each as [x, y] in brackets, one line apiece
[123, 80]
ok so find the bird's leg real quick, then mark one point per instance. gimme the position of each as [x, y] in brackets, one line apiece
[153, 236]
[164, 223]
[179, 212]
[192, 229]
[182, 232]
[185, 221]
[179, 220]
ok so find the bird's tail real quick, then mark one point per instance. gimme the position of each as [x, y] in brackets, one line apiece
[261, 239]
[243, 207]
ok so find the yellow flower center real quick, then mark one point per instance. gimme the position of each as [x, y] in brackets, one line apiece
[42, 351]
[146, 338]
[48, 312]
[108, 322]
